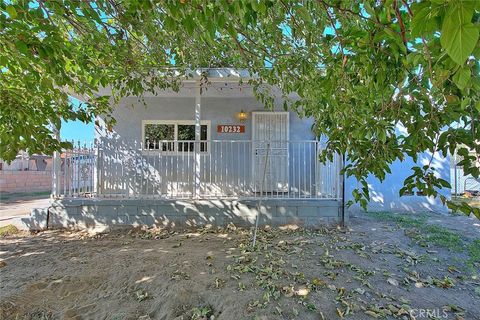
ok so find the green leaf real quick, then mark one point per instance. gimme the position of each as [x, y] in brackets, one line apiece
[304, 14]
[444, 183]
[189, 24]
[423, 22]
[461, 10]
[3, 61]
[11, 12]
[465, 103]
[382, 136]
[369, 9]
[21, 46]
[476, 212]
[231, 30]
[462, 77]
[459, 35]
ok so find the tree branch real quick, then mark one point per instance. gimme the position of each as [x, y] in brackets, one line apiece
[358, 14]
[400, 22]
[340, 40]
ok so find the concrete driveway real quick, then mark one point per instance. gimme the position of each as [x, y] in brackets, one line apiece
[12, 211]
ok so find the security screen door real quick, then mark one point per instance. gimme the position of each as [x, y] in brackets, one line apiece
[270, 151]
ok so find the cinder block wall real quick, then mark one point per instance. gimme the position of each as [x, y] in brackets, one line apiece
[179, 214]
[25, 181]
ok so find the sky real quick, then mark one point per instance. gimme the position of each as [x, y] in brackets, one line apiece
[77, 130]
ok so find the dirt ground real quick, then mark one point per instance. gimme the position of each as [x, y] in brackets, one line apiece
[384, 266]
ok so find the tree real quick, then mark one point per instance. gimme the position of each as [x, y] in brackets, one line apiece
[367, 71]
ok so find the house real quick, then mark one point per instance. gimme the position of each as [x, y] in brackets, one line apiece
[208, 154]
[26, 162]
[20, 163]
[26, 173]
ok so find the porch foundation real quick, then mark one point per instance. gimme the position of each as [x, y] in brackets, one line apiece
[180, 214]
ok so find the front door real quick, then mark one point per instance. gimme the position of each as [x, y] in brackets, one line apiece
[270, 151]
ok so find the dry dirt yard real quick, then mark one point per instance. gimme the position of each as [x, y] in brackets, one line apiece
[384, 266]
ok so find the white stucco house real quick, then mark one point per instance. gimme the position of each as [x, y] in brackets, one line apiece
[212, 154]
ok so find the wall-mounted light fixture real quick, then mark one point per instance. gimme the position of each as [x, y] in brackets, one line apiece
[242, 116]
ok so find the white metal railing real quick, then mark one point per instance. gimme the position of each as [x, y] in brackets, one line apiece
[206, 170]
[77, 171]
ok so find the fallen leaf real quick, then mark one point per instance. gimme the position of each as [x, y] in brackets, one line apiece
[393, 282]
[372, 314]
[303, 292]
[318, 282]
[359, 291]
[279, 311]
[141, 295]
[452, 269]
[340, 313]
[295, 312]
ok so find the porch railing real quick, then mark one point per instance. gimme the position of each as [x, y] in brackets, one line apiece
[206, 170]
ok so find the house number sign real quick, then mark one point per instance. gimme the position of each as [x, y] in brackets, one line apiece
[231, 128]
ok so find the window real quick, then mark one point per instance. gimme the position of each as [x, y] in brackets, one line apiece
[186, 132]
[174, 136]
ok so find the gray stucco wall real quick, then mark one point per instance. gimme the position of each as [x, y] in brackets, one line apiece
[129, 114]
[385, 195]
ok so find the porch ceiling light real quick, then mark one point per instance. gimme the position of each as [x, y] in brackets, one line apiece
[242, 115]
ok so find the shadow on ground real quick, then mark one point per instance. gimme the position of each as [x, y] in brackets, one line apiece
[384, 266]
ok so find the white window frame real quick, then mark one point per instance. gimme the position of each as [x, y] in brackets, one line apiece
[176, 123]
